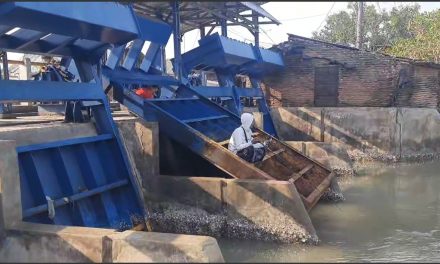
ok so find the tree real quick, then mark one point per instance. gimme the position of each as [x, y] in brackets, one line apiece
[381, 29]
[339, 28]
[424, 43]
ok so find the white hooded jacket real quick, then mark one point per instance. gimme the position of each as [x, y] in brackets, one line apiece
[238, 140]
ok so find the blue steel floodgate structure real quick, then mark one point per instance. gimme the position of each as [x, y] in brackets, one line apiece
[94, 172]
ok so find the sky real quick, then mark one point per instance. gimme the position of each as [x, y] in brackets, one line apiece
[299, 18]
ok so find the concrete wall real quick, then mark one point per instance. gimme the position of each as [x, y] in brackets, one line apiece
[384, 133]
[27, 242]
[141, 142]
[132, 246]
[30, 242]
[46, 132]
[332, 155]
[231, 208]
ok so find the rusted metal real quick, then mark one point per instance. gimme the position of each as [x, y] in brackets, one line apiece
[282, 162]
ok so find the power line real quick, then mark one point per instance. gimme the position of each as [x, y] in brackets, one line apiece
[265, 33]
[298, 18]
[326, 16]
[238, 35]
[246, 39]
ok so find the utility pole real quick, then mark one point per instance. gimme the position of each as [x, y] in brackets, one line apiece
[177, 40]
[360, 26]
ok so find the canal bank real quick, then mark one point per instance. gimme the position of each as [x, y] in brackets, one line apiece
[390, 214]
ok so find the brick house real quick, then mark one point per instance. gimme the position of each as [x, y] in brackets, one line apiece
[318, 73]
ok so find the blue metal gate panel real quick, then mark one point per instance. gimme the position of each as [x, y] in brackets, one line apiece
[85, 177]
[216, 52]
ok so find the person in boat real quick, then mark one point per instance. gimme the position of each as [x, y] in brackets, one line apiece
[243, 144]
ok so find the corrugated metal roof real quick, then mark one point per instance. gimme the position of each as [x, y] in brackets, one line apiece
[194, 15]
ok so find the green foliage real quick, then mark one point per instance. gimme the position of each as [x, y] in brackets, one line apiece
[425, 41]
[381, 29]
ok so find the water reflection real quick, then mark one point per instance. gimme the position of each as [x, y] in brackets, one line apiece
[390, 214]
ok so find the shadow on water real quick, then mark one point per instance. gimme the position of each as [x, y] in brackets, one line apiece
[390, 214]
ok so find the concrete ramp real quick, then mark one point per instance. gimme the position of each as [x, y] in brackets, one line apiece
[204, 127]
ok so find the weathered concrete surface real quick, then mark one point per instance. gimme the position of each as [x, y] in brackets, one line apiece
[132, 246]
[30, 242]
[362, 128]
[332, 155]
[141, 141]
[9, 185]
[297, 123]
[232, 208]
[420, 137]
[46, 132]
[367, 133]
[28, 120]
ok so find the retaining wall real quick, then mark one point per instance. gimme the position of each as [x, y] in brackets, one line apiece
[383, 133]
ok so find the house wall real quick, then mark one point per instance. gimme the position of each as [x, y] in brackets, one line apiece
[365, 78]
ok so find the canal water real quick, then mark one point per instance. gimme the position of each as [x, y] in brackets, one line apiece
[390, 214]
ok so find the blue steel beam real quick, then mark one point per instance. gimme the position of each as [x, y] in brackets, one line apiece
[115, 57]
[133, 54]
[67, 142]
[150, 56]
[47, 90]
[94, 18]
[5, 109]
[154, 31]
[138, 77]
[74, 198]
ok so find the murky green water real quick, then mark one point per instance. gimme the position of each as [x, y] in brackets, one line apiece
[390, 214]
